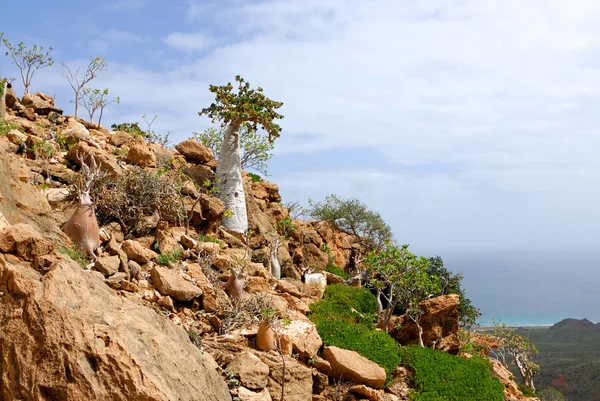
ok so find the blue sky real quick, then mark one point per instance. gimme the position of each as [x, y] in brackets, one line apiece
[470, 125]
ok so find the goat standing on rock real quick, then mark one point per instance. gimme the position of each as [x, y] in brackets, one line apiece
[316, 281]
[82, 227]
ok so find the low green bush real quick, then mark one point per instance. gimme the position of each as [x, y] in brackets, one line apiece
[77, 254]
[443, 377]
[345, 318]
[255, 177]
[338, 271]
[169, 258]
[527, 391]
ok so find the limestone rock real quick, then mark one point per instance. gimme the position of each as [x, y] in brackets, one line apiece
[67, 336]
[353, 366]
[199, 174]
[440, 323]
[23, 240]
[170, 283]
[194, 151]
[367, 393]
[303, 338]
[107, 265]
[298, 379]
[141, 155]
[135, 251]
[248, 395]
[40, 103]
[82, 150]
[250, 369]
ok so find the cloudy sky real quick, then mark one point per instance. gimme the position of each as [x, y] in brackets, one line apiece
[469, 124]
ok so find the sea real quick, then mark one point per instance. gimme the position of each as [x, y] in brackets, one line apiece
[521, 287]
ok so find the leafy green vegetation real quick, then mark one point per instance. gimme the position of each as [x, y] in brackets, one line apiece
[5, 127]
[527, 391]
[255, 177]
[169, 258]
[353, 217]
[443, 377]
[338, 271]
[285, 227]
[345, 318]
[75, 253]
[550, 394]
[131, 128]
[568, 356]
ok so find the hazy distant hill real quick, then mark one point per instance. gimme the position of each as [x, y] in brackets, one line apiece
[569, 357]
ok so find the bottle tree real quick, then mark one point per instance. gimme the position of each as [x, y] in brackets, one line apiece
[236, 109]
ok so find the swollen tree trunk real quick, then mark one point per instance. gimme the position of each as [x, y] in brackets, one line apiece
[275, 267]
[2, 101]
[229, 180]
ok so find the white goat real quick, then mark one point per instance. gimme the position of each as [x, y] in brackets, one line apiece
[316, 281]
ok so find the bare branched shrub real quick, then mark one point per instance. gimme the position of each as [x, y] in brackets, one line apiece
[243, 312]
[136, 194]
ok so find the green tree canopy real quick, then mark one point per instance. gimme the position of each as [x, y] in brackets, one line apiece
[248, 106]
[354, 217]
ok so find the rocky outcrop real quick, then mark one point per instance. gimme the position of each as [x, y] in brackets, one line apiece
[24, 241]
[253, 373]
[511, 390]
[40, 103]
[439, 322]
[67, 336]
[141, 155]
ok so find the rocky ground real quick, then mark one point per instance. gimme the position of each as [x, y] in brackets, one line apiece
[129, 327]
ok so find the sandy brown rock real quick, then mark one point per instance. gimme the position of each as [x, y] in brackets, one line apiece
[440, 324]
[67, 336]
[245, 394]
[353, 366]
[81, 150]
[170, 283]
[302, 338]
[23, 202]
[23, 240]
[194, 151]
[298, 379]
[367, 393]
[141, 155]
[250, 369]
[107, 265]
[135, 251]
[40, 103]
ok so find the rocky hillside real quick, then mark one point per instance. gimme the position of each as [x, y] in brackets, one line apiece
[158, 315]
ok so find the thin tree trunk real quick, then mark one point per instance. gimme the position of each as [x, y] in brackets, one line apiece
[2, 101]
[229, 180]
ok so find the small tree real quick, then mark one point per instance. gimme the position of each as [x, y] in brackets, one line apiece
[550, 394]
[520, 352]
[353, 217]
[28, 60]
[403, 278]
[450, 283]
[248, 108]
[94, 67]
[93, 100]
[255, 148]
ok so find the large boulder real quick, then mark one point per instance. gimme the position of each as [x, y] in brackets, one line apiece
[194, 151]
[40, 103]
[440, 323]
[82, 151]
[250, 369]
[298, 378]
[24, 241]
[67, 336]
[170, 283]
[141, 155]
[352, 366]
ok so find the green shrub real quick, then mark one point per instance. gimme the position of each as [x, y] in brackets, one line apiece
[255, 177]
[285, 227]
[443, 377]
[166, 259]
[526, 390]
[345, 318]
[5, 127]
[75, 253]
[338, 271]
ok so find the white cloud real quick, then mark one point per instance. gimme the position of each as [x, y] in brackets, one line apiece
[189, 42]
